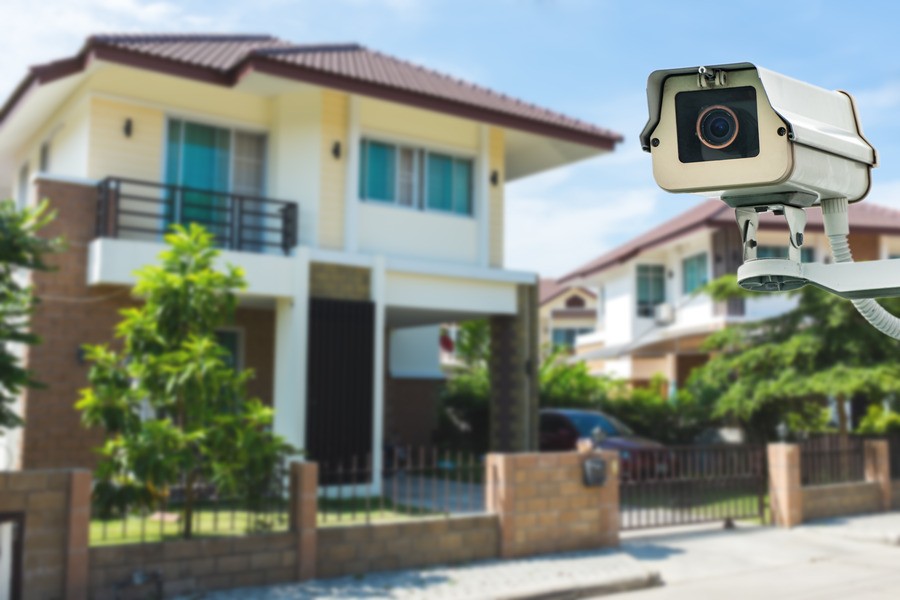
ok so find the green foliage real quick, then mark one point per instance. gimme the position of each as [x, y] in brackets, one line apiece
[565, 384]
[782, 370]
[173, 409]
[464, 412]
[675, 420]
[20, 249]
[879, 421]
[473, 343]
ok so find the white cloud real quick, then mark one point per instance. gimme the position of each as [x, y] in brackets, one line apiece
[553, 228]
[37, 32]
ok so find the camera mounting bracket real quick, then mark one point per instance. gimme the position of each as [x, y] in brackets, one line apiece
[870, 279]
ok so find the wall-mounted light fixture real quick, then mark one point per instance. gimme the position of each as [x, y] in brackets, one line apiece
[128, 127]
[336, 149]
[495, 178]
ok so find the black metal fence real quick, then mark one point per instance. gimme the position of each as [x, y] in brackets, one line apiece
[214, 515]
[893, 441]
[143, 210]
[832, 458]
[405, 483]
[693, 484]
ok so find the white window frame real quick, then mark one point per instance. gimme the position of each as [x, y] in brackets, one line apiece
[421, 152]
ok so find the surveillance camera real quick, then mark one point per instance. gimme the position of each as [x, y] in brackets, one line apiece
[754, 137]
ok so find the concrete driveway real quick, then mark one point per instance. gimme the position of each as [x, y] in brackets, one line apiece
[849, 558]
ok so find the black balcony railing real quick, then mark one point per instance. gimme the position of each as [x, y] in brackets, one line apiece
[144, 210]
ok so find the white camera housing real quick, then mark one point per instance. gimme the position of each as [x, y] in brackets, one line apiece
[803, 143]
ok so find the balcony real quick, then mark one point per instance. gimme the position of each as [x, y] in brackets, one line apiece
[143, 211]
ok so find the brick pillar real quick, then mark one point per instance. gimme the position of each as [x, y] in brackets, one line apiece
[878, 470]
[78, 522]
[514, 366]
[304, 494]
[543, 505]
[785, 490]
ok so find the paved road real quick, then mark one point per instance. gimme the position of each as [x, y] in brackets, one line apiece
[840, 559]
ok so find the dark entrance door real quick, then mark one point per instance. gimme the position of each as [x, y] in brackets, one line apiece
[12, 536]
[339, 395]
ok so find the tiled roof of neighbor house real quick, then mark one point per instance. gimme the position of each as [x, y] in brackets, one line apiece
[225, 59]
[714, 213]
[549, 288]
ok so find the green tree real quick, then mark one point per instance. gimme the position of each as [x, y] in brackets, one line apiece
[20, 249]
[473, 342]
[783, 369]
[201, 427]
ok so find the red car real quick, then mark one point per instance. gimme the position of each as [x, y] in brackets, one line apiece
[561, 428]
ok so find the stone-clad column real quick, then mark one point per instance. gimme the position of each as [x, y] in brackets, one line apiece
[513, 371]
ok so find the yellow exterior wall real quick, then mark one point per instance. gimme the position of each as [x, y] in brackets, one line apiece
[647, 368]
[548, 323]
[189, 99]
[496, 154]
[398, 121]
[335, 124]
[111, 153]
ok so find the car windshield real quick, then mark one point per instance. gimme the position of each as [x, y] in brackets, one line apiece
[586, 423]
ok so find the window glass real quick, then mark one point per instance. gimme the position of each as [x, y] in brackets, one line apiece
[694, 273]
[22, 191]
[378, 171]
[415, 178]
[806, 254]
[651, 284]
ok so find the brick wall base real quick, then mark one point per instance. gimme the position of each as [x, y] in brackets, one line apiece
[824, 501]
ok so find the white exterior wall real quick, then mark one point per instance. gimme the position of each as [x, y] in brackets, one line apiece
[295, 156]
[404, 232]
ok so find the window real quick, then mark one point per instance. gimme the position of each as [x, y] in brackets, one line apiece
[565, 336]
[22, 187]
[44, 163]
[694, 273]
[205, 157]
[651, 288]
[575, 302]
[806, 254]
[415, 178]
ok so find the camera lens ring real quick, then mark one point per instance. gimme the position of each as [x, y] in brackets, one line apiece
[714, 111]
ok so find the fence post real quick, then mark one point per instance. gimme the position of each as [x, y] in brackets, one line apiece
[878, 469]
[304, 496]
[78, 522]
[543, 504]
[785, 489]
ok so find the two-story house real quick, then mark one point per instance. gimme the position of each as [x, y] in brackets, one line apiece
[565, 312]
[651, 318]
[362, 195]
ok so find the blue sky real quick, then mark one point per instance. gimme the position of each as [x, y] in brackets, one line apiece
[588, 59]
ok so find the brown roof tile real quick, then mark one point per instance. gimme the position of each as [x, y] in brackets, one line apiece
[224, 59]
[715, 213]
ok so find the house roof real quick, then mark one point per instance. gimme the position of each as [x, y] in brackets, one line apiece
[226, 59]
[549, 288]
[714, 213]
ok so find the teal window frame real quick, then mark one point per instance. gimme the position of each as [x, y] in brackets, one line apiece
[694, 272]
[440, 182]
[651, 288]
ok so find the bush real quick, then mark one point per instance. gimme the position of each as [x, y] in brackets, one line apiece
[879, 421]
[464, 412]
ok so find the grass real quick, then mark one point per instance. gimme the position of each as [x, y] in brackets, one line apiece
[231, 521]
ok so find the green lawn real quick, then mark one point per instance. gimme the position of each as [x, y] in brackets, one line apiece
[209, 522]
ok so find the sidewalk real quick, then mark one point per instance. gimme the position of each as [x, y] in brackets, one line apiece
[571, 575]
[882, 528]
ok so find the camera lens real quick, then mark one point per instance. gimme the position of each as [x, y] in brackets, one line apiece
[717, 127]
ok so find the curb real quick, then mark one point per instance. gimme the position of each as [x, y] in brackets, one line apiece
[629, 584]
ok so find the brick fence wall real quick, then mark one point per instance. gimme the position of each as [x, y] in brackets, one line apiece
[823, 501]
[354, 550]
[793, 504]
[193, 565]
[543, 505]
[56, 507]
[895, 496]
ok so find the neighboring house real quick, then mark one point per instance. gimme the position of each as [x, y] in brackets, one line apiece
[653, 321]
[362, 195]
[565, 313]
